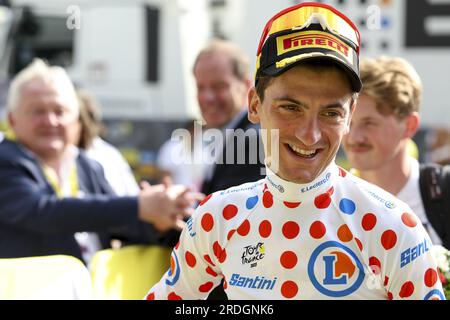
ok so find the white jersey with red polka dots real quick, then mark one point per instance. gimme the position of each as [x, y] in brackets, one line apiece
[336, 237]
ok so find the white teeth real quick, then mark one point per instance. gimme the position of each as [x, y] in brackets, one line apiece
[303, 152]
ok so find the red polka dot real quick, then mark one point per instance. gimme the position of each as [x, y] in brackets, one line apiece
[409, 220]
[205, 200]
[407, 290]
[229, 211]
[223, 256]
[208, 259]
[190, 259]
[369, 221]
[430, 277]
[386, 281]
[219, 252]
[267, 199]
[290, 229]
[375, 265]
[206, 287]
[230, 234]
[265, 228]
[174, 296]
[217, 249]
[244, 228]
[322, 201]
[289, 289]
[291, 205]
[210, 271]
[317, 230]
[388, 239]
[177, 245]
[288, 259]
[390, 296]
[342, 172]
[330, 191]
[344, 233]
[225, 283]
[207, 222]
[358, 242]
[151, 296]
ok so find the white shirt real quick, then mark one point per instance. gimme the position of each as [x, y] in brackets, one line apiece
[117, 170]
[336, 237]
[410, 194]
[179, 158]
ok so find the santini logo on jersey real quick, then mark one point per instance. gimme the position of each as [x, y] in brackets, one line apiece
[411, 254]
[252, 282]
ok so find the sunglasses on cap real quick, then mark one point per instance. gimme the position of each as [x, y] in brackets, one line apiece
[305, 31]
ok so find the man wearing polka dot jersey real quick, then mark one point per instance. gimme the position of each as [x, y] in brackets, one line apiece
[309, 230]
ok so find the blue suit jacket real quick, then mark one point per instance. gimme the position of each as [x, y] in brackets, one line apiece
[34, 222]
[226, 175]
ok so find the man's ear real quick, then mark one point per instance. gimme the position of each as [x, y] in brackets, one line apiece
[248, 83]
[254, 104]
[10, 119]
[412, 124]
[350, 114]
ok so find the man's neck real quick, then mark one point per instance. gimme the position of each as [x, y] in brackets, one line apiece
[52, 162]
[392, 176]
[56, 160]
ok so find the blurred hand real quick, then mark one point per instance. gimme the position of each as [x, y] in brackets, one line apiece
[166, 205]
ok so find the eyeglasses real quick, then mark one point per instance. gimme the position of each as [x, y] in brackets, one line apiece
[300, 15]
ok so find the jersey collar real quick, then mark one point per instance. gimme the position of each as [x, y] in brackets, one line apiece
[294, 192]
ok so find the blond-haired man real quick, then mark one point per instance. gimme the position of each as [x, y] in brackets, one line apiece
[384, 121]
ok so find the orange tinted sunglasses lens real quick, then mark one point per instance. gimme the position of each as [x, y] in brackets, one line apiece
[299, 15]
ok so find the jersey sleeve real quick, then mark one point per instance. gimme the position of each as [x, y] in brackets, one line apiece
[194, 264]
[411, 271]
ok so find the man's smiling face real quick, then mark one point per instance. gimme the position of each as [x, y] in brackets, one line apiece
[312, 111]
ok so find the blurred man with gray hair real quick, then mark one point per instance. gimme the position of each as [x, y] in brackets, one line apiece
[54, 200]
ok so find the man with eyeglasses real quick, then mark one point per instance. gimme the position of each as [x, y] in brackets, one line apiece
[309, 230]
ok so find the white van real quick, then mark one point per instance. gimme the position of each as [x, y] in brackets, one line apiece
[135, 56]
